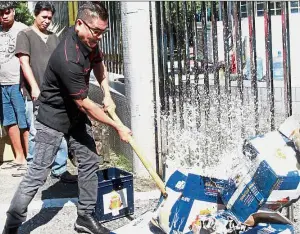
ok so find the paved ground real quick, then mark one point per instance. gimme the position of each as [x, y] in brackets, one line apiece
[53, 209]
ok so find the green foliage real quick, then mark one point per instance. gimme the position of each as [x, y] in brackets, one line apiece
[22, 13]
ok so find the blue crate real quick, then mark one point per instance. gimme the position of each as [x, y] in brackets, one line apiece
[115, 194]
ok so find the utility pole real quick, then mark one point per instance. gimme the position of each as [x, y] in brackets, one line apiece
[138, 74]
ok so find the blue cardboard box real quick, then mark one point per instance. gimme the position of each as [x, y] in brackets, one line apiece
[276, 159]
[115, 194]
[200, 196]
[174, 186]
[242, 197]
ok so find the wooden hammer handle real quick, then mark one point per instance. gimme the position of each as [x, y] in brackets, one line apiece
[144, 160]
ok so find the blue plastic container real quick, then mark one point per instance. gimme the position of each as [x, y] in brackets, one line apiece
[278, 67]
[259, 69]
[115, 194]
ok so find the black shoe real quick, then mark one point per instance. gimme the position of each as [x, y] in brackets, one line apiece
[66, 177]
[89, 224]
[10, 230]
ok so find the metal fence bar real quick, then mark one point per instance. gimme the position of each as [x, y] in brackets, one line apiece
[105, 48]
[108, 37]
[179, 40]
[163, 61]
[286, 58]
[111, 43]
[227, 62]
[113, 37]
[216, 69]
[226, 47]
[117, 35]
[171, 55]
[120, 46]
[238, 47]
[187, 50]
[253, 62]
[269, 63]
[204, 62]
[196, 88]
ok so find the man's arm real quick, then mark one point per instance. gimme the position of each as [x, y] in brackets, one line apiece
[94, 111]
[73, 80]
[28, 74]
[100, 73]
[23, 52]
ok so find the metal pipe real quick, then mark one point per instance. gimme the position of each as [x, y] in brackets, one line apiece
[226, 47]
[156, 101]
[187, 51]
[238, 47]
[204, 62]
[163, 71]
[196, 89]
[113, 35]
[227, 65]
[171, 55]
[179, 59]
[215, 55]
[109, 37]
[286, 58]
[269, 63]
[253, 62]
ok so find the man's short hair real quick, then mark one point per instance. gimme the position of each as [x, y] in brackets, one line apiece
[7, 5]
[89, 10]
[43, 6]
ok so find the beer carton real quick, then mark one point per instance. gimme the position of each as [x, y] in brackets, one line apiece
[276, 156]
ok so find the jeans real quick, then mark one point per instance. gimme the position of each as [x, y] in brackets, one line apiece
[13, 106]
[60, 164]
[48, 140]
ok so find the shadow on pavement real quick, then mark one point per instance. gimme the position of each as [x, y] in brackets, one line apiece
[58, 190]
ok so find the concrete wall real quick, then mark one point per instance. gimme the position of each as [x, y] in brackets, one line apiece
[118, 95]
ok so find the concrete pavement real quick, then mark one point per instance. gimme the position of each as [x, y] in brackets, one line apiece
[53, 210]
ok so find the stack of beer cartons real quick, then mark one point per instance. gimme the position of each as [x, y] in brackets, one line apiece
[270, 177]
[194, 206]
[279, 150]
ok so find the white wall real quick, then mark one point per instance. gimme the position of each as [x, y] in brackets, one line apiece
[276, 41]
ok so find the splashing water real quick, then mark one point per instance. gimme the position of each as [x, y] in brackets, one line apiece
[212, 146]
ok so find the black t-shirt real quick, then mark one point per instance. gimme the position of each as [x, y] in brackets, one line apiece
[66, 78]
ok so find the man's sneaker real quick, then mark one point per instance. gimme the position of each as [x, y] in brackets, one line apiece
[66, 177]
[10, 230]
[89, 224]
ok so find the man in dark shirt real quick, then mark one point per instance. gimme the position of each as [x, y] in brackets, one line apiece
[30, 43]
[63, 112]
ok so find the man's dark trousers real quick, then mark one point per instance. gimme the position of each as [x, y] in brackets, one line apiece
[81, 142]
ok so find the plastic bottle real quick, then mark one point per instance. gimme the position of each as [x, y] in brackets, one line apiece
[259, 69]
[278, 67]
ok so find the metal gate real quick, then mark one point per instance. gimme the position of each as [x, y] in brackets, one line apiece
[193, 71]
[220, 80]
